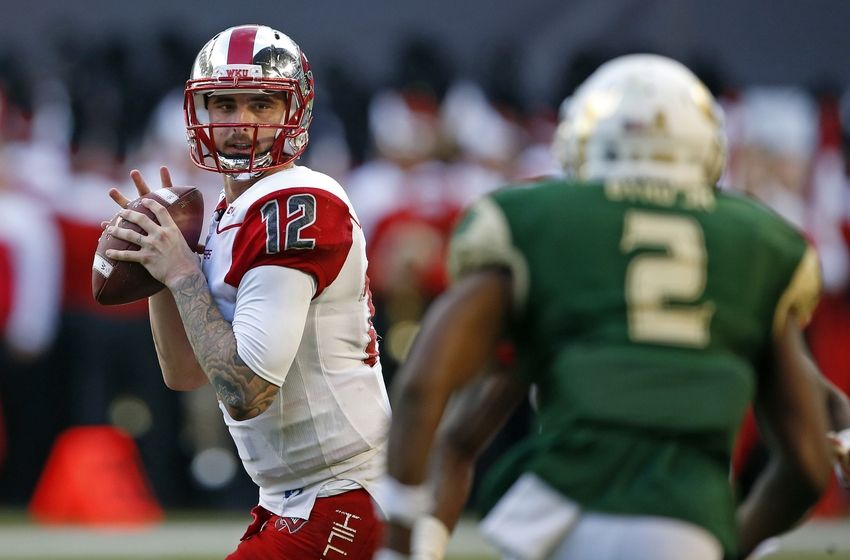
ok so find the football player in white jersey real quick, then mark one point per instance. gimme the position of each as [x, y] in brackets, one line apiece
[277, 315]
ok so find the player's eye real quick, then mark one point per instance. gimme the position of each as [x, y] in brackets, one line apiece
[222, 106]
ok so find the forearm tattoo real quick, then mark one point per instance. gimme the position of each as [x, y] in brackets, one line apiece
[240, 390]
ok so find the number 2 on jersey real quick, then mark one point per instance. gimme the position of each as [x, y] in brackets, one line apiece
[300, 214]
[662, 287]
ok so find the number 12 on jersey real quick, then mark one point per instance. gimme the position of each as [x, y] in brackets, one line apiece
[300, 214]
[662, 287]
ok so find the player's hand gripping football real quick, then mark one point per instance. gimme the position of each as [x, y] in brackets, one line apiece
[840, 443]
[162, 250]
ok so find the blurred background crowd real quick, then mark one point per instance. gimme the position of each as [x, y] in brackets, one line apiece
[414, 125]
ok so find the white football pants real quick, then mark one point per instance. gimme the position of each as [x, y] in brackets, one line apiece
[534, 522]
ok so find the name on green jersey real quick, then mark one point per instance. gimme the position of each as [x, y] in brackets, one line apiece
[660, 194]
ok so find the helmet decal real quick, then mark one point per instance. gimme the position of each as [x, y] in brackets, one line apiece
[240, 49]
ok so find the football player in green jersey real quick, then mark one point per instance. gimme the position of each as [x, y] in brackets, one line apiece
[650, 310]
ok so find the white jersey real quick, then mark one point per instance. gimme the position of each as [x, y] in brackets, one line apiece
[326, 430]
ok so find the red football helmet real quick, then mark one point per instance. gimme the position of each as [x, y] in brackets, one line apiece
[249, 59]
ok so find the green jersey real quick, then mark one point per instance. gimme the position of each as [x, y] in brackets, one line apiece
[643, 313]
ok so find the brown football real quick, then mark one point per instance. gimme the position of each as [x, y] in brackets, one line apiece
[115, 282]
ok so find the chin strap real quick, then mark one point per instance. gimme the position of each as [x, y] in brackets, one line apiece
[247, 176]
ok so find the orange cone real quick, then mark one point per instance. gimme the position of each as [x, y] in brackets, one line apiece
[94, 476]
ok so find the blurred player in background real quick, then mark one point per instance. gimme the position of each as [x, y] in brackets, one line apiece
[31, 262]
[650, 309]
[277, 316]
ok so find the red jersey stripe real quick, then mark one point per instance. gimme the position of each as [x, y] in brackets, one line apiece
[240, 50]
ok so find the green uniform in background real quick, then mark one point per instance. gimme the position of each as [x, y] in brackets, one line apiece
[644, 314]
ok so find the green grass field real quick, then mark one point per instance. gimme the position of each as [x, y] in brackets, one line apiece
[211, 536]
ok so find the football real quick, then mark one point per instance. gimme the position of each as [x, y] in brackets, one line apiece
[117, 282]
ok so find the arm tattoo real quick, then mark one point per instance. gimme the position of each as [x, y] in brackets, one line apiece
[244, 393]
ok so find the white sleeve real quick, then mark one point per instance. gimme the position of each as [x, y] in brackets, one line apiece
[271, 309]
